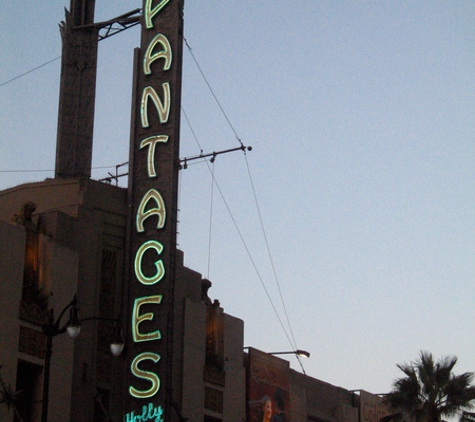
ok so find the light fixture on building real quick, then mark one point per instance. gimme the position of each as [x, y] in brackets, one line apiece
[73, 328]
[117, 344]
[298, 352]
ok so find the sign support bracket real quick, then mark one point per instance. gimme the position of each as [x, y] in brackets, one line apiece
[213, 155]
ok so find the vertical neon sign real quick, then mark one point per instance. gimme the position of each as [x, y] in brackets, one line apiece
[153, 186]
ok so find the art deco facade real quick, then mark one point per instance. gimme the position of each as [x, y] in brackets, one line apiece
[74, 244]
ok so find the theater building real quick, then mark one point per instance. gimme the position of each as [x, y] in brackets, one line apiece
[84, 257]
[74, 244]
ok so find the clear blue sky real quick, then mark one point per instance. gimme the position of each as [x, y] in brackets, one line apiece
[361, 115]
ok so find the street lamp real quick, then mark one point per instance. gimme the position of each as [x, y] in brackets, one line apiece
[298, 352]
[73, 328]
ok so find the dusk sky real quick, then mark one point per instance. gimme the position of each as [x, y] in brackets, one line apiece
[361, 118]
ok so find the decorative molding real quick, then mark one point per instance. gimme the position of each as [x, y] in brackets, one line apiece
[214, 375]
[32, 342]
[33, 313]
[214, 400]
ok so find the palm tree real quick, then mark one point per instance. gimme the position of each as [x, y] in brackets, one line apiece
[429, 391]
[467, 417]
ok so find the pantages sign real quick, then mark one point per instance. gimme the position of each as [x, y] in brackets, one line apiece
[153, 185]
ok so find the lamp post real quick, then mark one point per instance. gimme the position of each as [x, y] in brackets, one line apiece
[73, 327]
[298, 352]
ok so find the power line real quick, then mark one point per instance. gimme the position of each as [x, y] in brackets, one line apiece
[29, 71]
[212, 92]
[291, 340]
[124, 21]
[50, 170]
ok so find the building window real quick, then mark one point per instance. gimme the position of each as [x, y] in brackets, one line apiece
[211, 419]
[28, 380]
[215, 336]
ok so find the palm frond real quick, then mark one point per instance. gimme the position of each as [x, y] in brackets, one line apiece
[429, 390]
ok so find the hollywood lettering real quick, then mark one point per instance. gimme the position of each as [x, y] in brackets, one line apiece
[155, 103]
[149, 413]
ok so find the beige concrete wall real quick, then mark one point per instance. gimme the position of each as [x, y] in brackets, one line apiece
[63, 195]
[235, 389]
[49, 195]
[187, 286]
[59, 272]
[80, 218]
[12, 250]
[63, 269]
[194, 354]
